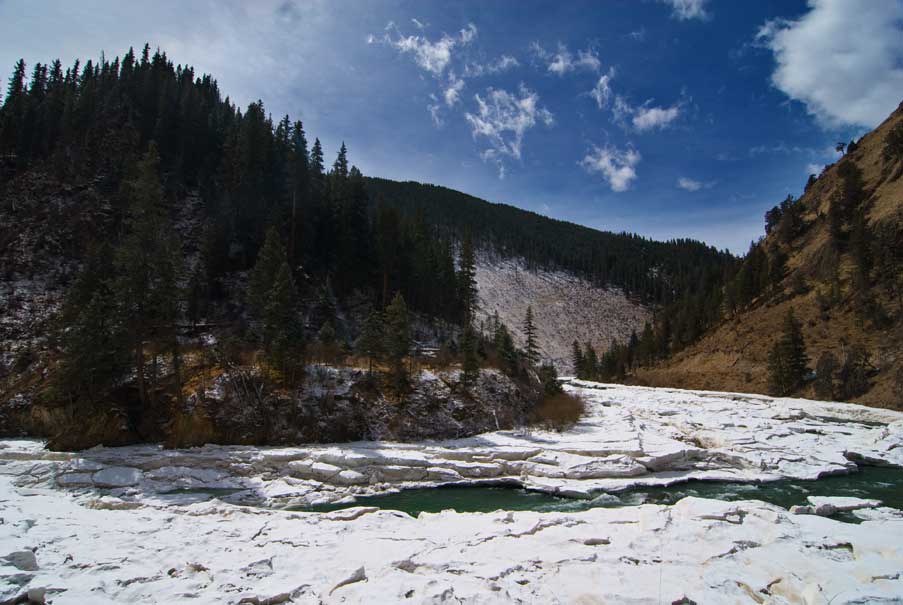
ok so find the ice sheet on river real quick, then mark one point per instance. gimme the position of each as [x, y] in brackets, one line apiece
[106, 526]
[630, 436]
[102, 549]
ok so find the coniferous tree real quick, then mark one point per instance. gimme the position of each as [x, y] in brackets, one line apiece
[398, 338]
[646, 349]
[825, 368]
[13, 111]
[504, 346]
[317, 168]
[340, 167]
[283, 339]
[787, 359]
[470, 366]
[263, 276]
[548, 376]
[590, 362]
[777, 269]
[467, 281]
[326, 338]
[531, 349]
[577, 360]
[853, 377]
[92, 344]
[146, 265]
[371, 343]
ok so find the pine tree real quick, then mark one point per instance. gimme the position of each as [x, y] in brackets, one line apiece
[282, 336]
[825, 368]
[590, 362]
[340, 167]
[467, 281]
[646, 350]
[398, 338]
[263, 276]
[530, 348]
[372, 340]
[577, 360]
[853, 376]
[470, 367]
[146, 263]
[787, 359]
[91, 341]
[326, 338]
[548, 376]
[504, 345]
[317, 167]
[13, 110]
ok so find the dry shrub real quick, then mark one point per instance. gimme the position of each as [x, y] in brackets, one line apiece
[558, 412]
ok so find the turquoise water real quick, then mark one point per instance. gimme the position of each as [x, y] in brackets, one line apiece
[885, 484]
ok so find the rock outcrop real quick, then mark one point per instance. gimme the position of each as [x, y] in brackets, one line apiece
[240, 406]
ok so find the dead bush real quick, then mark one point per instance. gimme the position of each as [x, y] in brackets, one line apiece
[558, 412]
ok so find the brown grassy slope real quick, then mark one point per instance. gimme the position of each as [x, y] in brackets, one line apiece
[732, 356]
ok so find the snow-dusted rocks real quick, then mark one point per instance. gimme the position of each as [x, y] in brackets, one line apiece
[630, 436]
[827, 506]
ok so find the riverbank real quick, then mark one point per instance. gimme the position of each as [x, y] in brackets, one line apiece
[144, 523]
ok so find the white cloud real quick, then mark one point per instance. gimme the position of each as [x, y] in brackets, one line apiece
[468, 33]
[601, 92]
[644, 117]
[563, 62]
[688, 184]
[453, 90]
[618, 167]
[431, 56]
[814, 169]
[418, 24]
[842, 59]
[503, 118]
[783, 148]
[638, 35]
[436, 113]
[685, 10]
[650, 118]
[503, 63]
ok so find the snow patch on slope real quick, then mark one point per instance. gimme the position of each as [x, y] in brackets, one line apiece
[565, 307]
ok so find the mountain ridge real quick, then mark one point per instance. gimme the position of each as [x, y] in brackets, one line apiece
[843, 243]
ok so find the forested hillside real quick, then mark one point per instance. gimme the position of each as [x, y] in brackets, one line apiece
[816, 309]
[153, 232]
[654, 272]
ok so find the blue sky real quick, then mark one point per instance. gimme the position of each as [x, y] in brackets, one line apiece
[669, 118]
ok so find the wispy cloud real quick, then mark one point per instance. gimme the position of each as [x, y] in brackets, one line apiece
[503, 118]
[602, 92]
[783, 148]
[617, 166]
[499, 65]
[645, 117]
[432, 56]
[638, 35]
[563, 62]
[453, 90]
[685, 10]
[688, 184]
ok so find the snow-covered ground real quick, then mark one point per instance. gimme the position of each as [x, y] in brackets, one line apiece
[105, 526]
